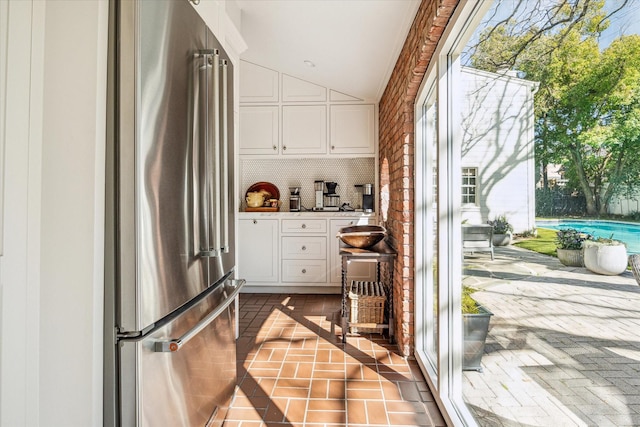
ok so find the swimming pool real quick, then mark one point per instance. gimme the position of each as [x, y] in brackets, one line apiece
[623, 231]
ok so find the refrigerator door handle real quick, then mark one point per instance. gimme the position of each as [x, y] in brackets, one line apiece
[225, 159]
[173, 345]
[214, 139]
[206, 205]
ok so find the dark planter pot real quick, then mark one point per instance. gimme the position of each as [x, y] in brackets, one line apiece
[571, 257]
[476, 328]
[501, 239]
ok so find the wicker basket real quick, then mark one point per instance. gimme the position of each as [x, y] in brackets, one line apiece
[367, 302]
[634, 263]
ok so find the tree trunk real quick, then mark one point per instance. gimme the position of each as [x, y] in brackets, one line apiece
[592, 208]
[614, 179]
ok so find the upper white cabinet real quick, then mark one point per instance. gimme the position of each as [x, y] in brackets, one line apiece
[259, 130]
[281, 115]
[304, 129]
[352, 129]
[258, 84]
[297, 90]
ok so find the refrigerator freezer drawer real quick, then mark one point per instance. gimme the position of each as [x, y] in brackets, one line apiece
[190, 387]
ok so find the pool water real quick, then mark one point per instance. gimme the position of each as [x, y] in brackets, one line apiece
[623, 231]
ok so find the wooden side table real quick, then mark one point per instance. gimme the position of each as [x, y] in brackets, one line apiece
[379, 253]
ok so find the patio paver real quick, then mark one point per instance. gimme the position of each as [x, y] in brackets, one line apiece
[564, 344]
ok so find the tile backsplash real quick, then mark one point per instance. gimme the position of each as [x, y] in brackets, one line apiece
[285, 173]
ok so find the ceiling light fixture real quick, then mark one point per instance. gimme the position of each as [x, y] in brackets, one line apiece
[309, 63]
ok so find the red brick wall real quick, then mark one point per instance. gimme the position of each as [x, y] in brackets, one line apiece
[396, 124]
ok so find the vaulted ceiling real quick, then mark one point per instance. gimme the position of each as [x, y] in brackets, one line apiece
[347, 45]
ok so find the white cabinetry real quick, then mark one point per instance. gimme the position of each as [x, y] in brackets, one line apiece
[304, 250]
[364, 271]
[352, 129]
[258, 84]
[258, 250]
[259, 130]
[281, 115]
[295, 253]
[304, 129]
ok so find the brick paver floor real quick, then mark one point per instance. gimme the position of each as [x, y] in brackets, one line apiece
[564, 344]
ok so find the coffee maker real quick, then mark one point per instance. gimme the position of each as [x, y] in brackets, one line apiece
[331, 198]
[294, 199]
[318, 187]
[368, 198]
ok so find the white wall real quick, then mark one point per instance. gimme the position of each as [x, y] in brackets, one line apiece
[22, 66]
[498, 139]
[51, 267]
[51, 270]
[72, 212]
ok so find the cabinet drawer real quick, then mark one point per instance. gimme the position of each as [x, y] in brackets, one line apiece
[304, 271]
[304, 226]
[304, 247]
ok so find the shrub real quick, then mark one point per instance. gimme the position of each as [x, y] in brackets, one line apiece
[501, 225]
[469, 305]
[571, 238]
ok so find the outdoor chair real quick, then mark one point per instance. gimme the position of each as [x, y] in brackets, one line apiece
[634, 262]
[477, 238]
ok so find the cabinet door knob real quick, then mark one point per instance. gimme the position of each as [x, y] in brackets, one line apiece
[304, 248]
[275, 148]
[304, 271]
[284, 147]
[333, 147]
[304, 225]
[255, 221]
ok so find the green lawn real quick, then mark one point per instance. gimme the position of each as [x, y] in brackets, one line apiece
[544, 243]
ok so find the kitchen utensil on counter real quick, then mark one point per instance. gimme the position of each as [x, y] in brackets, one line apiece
[362, 236]
[270, 197]
[255, 199]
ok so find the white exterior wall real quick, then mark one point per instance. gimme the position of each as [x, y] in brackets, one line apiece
[53, 66]
[498, 140]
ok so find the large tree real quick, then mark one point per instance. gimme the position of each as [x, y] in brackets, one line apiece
[587, 109]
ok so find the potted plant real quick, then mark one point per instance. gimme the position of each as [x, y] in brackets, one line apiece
[569, 246]
[605, 256]
[475, 319]
[501, 231]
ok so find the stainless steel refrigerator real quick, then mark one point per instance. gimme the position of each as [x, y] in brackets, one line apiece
[170, 349]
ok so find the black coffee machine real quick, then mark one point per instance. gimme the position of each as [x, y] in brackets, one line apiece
[368, 198]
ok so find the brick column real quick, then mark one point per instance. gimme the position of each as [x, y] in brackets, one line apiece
[397, 155]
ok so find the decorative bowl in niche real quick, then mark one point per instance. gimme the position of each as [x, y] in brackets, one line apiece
[362, 236]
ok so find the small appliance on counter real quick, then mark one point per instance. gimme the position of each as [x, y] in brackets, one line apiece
[318, 187]
[294, 199]
[326, 197]
[331, 198]
[368, 198]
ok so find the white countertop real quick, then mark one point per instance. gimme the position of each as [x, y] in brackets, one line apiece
[308, 214]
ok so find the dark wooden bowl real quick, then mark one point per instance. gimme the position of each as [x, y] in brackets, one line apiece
[362, 236]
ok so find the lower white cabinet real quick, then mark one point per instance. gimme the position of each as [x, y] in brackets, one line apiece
[304, 271]
[295, 253]
[258, 257]
[304, 251]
